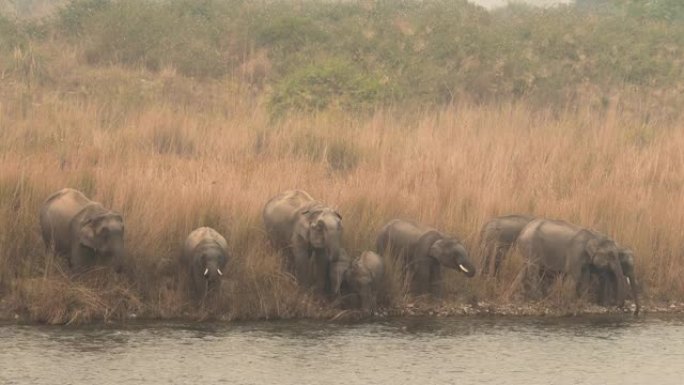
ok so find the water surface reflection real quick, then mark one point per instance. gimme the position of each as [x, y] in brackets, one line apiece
[591, 350]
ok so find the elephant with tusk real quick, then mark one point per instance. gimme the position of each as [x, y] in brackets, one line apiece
[422, 252]
[205, 254]
[85, 231]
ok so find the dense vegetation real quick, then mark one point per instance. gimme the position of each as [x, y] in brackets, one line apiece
[314, 55]
[184, 113]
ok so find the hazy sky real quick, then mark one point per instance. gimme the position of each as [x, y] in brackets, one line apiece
[499, 3]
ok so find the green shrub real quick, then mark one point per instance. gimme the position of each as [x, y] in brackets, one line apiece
[356, 56]
[332, 83]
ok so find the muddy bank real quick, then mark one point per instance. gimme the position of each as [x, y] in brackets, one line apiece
[9, 313]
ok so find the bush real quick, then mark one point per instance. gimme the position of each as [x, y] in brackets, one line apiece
[193, 38]
[333, 83]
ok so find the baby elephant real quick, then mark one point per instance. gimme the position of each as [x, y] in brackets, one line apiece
[85, 231]
[205, 254]
[364, 278]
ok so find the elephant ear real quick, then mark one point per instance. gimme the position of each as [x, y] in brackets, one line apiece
[422, 248]
[592, 248]
[87, 233]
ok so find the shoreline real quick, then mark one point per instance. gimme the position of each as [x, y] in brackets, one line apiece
[435, 311]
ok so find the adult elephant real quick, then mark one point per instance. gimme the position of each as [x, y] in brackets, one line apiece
[497, 237]
[363, 279]
[309, 233]
[555, 248]
[205, 255]
[422, 252]
[606, 294]
[85, 231]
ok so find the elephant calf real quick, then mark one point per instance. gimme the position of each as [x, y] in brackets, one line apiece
[309, 234]
[363, 278]
[84, 231]
[205, 255]
[497, 237]
[421, 252]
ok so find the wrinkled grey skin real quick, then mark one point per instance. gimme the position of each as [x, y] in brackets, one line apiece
[497, 237]
[556, 248]
[84, 231]
[205, 255]
[309, 234]
[364, 278]
[422, 252]
[605, 290]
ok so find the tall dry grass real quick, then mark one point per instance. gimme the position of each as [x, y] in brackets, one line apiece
[173, 154]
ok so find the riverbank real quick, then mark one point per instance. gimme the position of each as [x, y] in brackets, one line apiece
[434, 309]
[173, 146]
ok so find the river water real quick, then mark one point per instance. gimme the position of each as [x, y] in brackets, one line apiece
[595, 350]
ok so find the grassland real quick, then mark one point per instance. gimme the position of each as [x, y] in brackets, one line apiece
[199, 123]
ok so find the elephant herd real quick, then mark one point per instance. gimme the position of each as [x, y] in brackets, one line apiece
[308, 235]
[553, 248]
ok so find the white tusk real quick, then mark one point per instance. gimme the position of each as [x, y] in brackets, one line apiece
[628, 281]
[219, 272]
[463, 268]
[206, 272]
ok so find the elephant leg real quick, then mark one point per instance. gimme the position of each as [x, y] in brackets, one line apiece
[80, 256]
[421, 278]
[366, 299]
[498, 259]
[531, 279]
[582, 282]
[607, 293]
[435, 280]
[301, 266]
[486, 259]
[546, 280]
[321, 275]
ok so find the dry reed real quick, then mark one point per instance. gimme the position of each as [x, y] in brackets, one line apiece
[184, 157]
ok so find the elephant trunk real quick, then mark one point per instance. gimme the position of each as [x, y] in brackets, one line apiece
[633, 286]
[337, 276]
[211, 272]
[464, 264]
[619, 282]
[118, 251]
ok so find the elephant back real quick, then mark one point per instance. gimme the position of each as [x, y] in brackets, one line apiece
[373, 262]
[204, 236]
[421, 249]
[280, 215]
[59, 209]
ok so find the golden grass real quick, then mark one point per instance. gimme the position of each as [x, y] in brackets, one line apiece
[186, 154]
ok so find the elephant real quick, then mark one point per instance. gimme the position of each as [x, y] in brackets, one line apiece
[363, 279]
[205, 254]
[606, 282]
[421, 252]
[498, 235]
[309, 234]
[555, 248]
[82, 230]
